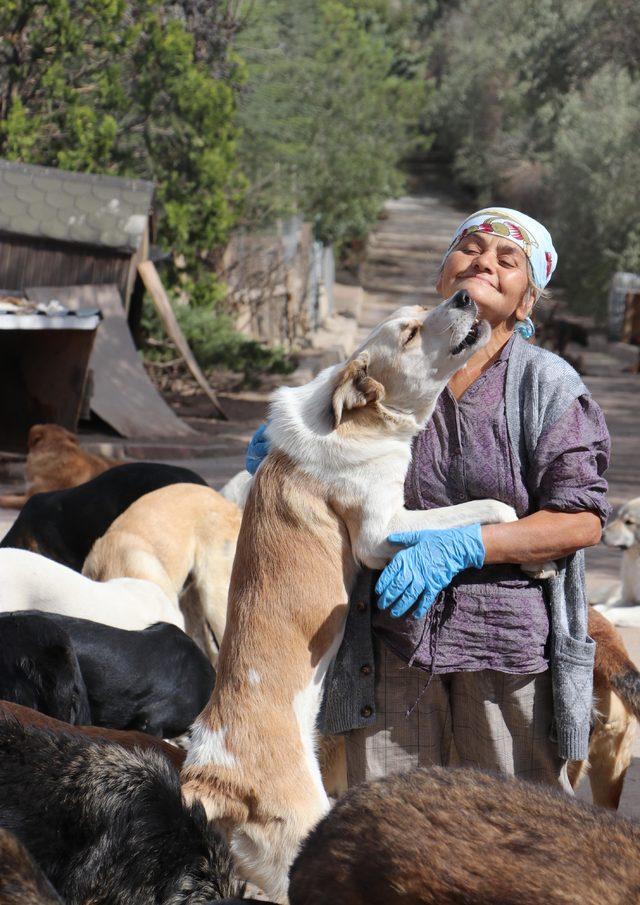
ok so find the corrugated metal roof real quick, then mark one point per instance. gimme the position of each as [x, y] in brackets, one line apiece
[85, 208]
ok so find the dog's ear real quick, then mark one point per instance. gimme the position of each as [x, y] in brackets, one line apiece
[36, 434]
[354, 388]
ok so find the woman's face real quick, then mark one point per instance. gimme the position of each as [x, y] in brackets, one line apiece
[494, 272]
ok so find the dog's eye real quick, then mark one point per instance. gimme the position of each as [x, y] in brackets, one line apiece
[413, 332]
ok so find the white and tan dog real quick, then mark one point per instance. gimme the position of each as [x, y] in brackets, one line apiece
[30, 581]
[170, 536]
[621, 603]
[322, 503]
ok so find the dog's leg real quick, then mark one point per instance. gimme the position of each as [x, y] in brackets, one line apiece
[14, 501]
[610, 750]
[486, 512]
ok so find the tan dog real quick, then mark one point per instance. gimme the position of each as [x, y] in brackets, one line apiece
[56, 461]
[616, 692]
[323, 501]
[168, 536]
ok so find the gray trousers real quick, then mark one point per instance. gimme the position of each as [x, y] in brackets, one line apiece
[489, 720]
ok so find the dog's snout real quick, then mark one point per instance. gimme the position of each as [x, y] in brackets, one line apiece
[462, 300]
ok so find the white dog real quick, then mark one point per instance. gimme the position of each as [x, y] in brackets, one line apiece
[29, 581]
[621, 604]
[324, 501]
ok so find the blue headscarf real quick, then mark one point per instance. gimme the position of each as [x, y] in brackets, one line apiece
[527, 233]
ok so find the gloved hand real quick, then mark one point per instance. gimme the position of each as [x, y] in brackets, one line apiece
[426, 565]
[257, 450]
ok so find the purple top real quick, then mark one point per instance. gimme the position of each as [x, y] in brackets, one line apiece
[495, 617]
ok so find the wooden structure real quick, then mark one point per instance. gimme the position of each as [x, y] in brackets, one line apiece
[631, 323]
[59, 228]
[43, 368]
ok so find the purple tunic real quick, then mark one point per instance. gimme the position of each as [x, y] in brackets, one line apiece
[495, 617]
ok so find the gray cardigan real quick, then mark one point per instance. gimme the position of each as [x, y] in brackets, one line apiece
[539, 388]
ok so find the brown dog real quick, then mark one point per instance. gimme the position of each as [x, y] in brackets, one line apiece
[56, 461]
[129, 738]
[447, 837]
[616, 692]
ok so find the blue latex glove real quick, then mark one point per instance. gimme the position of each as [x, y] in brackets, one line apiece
[428, 563]
[257, 450]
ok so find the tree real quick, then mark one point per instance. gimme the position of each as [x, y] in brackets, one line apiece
[332, 96]
[124, 88]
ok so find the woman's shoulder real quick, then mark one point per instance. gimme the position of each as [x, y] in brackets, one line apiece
[546, 368]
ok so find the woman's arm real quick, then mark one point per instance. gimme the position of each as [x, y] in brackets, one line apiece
[540, 537]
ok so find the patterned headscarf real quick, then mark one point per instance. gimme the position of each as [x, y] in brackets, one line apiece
[526, 232]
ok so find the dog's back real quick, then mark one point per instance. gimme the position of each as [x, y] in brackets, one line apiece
[107, 824]
[34, 582]
[64, 524]
[127, 739]
[21, 880]
[444, 837]
[156, 679]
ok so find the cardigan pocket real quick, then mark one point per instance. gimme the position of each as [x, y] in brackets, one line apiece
[572, 681]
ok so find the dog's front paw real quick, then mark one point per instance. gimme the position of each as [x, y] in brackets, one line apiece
[500, 512]
[540, 569]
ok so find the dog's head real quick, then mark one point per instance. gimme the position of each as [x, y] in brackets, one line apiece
[45, 435]
[408, 359]
[624, 531]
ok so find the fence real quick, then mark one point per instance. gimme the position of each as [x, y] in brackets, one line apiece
[280, 282]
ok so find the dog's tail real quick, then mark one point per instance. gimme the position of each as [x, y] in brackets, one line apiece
[613, 667]
[14, 501]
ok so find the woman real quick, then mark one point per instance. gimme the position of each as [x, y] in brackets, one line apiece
[475, 662]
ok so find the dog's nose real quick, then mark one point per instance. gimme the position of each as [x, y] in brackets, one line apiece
[462, 299]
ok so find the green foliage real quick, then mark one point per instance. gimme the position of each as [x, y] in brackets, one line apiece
[538, 109]
[216, 343]
[596, 173]
[335, 90]
[125, 88]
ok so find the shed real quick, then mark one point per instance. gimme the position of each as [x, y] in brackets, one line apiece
[59, 228]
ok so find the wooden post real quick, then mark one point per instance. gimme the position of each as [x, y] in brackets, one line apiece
[153, 285]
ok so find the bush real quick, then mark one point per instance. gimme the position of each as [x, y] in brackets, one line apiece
[216, 343]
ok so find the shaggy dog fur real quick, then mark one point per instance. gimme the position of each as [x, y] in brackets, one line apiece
[39, 668]
[108, 825]
[64, 524]
[156, 680]
[21, 880]
[129, 739]
[56, 461]
[439, 837]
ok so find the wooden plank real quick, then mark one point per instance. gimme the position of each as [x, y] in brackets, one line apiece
[154, 287]
[123, 395]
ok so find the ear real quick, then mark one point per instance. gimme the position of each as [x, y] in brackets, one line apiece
[354, 388]
[36, 434]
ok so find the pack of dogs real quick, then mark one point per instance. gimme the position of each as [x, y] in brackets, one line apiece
[140, 608]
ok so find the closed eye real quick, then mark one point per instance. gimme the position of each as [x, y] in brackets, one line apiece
[413, 332]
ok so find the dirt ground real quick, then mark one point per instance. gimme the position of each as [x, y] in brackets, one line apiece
[402, 263]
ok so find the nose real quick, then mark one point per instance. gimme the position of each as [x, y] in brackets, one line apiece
[462, 300]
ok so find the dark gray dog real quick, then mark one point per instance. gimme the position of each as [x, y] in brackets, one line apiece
[107, 824]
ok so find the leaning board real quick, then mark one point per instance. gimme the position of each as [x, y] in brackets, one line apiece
[123, 395]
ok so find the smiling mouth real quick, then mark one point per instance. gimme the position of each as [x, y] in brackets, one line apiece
[470, 339]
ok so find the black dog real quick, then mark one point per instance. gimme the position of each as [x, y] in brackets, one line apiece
[39, 668]
[64, 524]
[106, 824]
[156, 680]
[21, 880]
